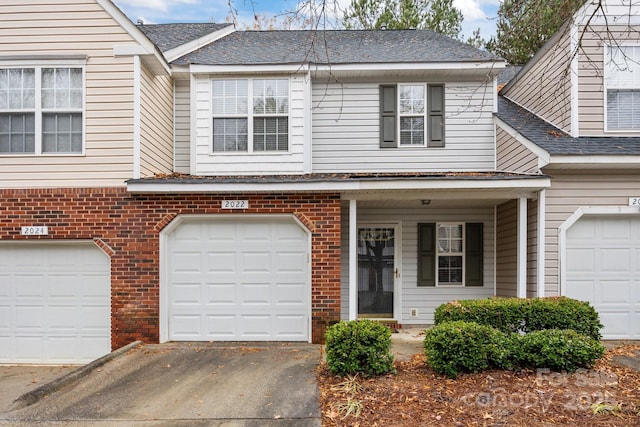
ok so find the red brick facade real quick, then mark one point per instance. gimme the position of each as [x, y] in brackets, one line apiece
[127, 226]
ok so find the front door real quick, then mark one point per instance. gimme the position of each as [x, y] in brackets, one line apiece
[376, 271]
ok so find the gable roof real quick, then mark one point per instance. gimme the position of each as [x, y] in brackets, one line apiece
[556, 141]
[334, 47]
[170, 36]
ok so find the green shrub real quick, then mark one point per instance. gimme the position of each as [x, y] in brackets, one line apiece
[359, 346]
[520, 315]
[559, 350]
[455, 347]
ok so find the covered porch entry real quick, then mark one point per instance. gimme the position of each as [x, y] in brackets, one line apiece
[406, 251]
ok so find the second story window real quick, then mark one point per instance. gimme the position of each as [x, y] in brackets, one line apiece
[41, 110]
[250, 115]
[623, 88]
[411, 115]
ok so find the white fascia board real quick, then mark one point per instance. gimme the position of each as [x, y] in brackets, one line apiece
[594, 159]
[178, 51]
[543, 156]
[303, 68]
[134, 32]
[249, 69]
[399, 184]
[404, 66]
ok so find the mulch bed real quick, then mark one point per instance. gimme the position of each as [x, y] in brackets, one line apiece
[607, 395]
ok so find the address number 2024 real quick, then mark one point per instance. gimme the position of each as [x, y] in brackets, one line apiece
[235, 204]
[634, 201]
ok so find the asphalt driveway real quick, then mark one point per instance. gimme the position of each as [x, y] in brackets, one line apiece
[213, 384]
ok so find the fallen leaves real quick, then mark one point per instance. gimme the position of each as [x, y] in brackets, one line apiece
[607, 395]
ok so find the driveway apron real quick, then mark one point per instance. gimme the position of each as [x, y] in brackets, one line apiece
[198, 383]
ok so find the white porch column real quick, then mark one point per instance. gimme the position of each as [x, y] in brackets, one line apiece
[541, 242]
[353, 260]
[522, 249]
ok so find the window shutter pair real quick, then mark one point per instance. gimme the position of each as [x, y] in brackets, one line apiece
[473, 254]
[389, 116]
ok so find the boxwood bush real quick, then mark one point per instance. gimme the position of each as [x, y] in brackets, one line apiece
[559, 350]
[359, 346]
[520, 315]
[456, 347]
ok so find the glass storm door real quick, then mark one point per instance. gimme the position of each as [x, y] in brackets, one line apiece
[376, 271]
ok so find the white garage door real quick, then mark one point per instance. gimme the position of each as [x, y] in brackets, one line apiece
[240, 280]
[54, 303]
[603, 268]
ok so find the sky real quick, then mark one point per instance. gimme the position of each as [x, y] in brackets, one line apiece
[477, 13]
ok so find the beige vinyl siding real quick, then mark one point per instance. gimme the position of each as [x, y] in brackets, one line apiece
[156, 124]
[256, 163]
[545, 89]
[532, 248]
[69, 28]
[182, 114]
[506, 249]
[512, 156]
[425, 299]
[591, 88]
[570, 192]
[346, 135]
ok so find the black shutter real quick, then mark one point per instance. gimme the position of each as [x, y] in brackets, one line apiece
[474, 244]
[427, 254]
[435, 113]
[388, 118]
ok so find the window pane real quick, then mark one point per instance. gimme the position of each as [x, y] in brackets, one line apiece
[270, 134]
[271, 96]
[230, 97]
[623, 109]
[16, 133]
[412, 130]
[58, 130]
[412, 99]
[229, 135]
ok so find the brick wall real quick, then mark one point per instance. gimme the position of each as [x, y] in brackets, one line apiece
[127, 226]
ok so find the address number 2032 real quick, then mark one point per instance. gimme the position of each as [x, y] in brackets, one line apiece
[235, 204]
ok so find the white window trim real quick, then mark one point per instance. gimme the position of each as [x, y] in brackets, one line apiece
[606, 87]
[400, 116]
[39, 111]
[462, 255]
[249, 116]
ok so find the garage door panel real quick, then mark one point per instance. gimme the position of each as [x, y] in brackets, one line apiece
[614, 260]
[612, 285]
[253, 273]
[581, 260]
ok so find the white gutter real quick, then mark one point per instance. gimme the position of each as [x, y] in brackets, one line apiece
[206, 186]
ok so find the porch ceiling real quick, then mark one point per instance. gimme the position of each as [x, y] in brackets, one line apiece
[440, 197]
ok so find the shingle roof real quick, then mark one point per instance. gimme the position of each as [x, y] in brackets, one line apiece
[334, 47]
[168, 36]
[556, 141]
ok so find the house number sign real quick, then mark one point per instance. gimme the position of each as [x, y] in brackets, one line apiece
[34, 231]
[634, 201]
[235, 204]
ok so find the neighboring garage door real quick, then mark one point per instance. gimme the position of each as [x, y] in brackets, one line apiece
[54, 302]
[603, 268]
[238, 280]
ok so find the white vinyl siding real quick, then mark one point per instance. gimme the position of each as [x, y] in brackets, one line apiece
[182, 114]
[67, 28]
[346, 131]
[424, 298]
[251, 161]
[156, 124]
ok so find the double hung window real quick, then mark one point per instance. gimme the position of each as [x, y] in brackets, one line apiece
[411, 115]
[250, 115]
[623, 88]
[450, 253]
[41, 110]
